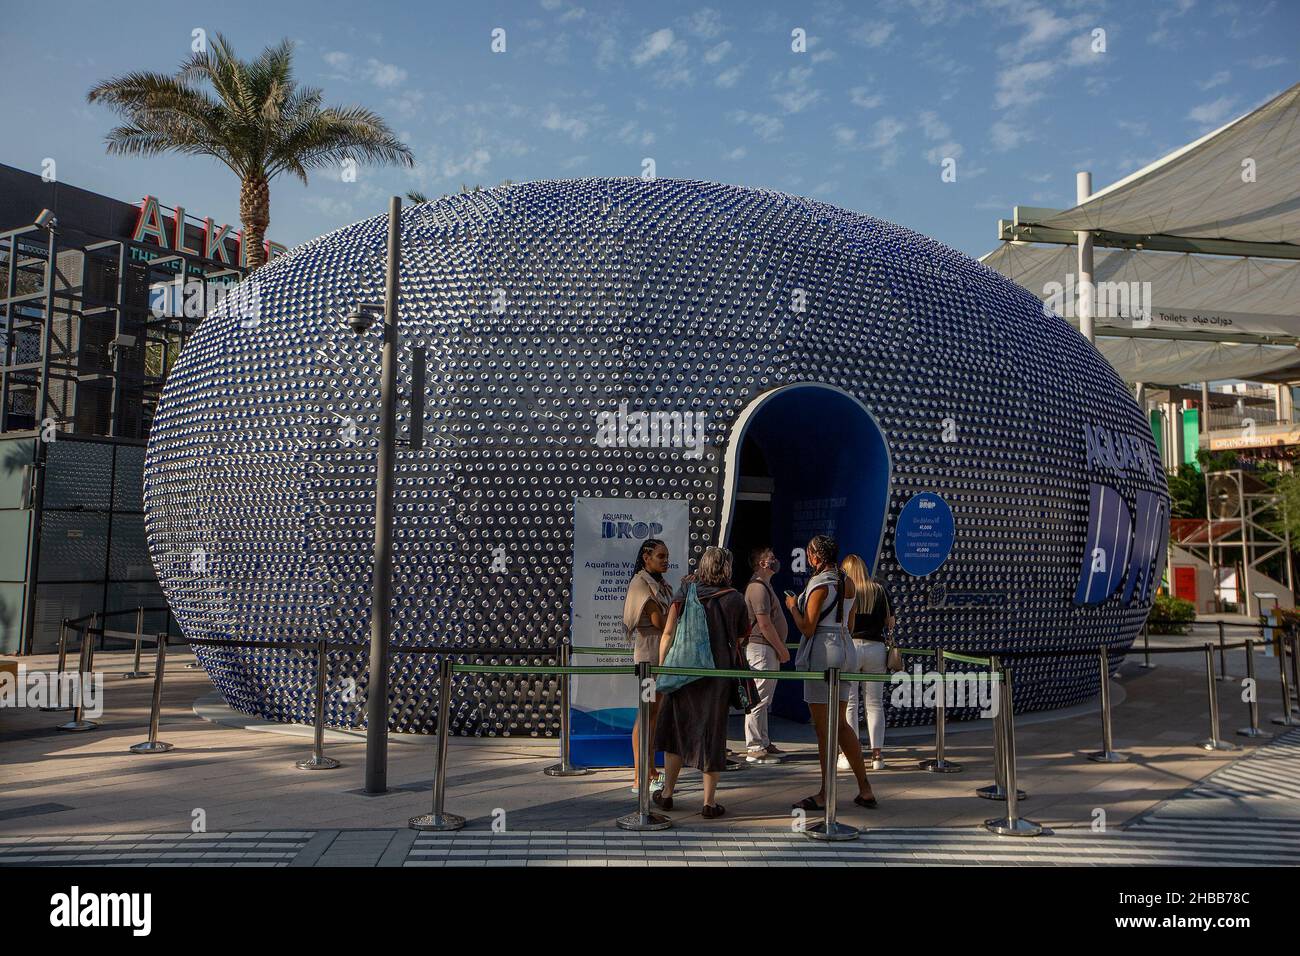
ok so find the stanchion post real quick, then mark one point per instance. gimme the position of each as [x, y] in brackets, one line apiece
[643, 819]
[1012, 824]
[1107, 752]
[62, 667]
[1146, 645]
[1295, 667]
[1285, 720]
[153, 745]
[318, 760]
[439, 819]
[1253, 730]
[940, 764]
[998, 789]
[1213, 742]
[85, 667]
[139, 639]
[830, 828]
[565, 767]
[1223, 660]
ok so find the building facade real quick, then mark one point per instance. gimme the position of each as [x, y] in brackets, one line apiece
[845, 375]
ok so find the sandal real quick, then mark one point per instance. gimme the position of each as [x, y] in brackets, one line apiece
[808, 803]
[869, 802]
[664, 803]
[716, 810]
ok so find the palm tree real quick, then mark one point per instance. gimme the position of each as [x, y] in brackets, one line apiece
[256, 120]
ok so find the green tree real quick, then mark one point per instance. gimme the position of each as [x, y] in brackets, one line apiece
[250, 115]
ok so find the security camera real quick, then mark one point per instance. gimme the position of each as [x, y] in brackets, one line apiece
[362, 317]
[46, 219]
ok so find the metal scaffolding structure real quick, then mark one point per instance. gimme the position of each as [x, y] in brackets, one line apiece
[92, 324]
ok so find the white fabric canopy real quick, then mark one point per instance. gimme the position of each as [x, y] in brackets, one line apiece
[1172, 362]
[1198, 191]
[1188, 293]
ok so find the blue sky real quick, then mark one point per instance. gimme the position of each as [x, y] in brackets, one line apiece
[1012, 90]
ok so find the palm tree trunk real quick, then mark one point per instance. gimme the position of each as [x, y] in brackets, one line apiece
[255, 214]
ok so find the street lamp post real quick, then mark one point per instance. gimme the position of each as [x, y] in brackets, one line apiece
[381, 588]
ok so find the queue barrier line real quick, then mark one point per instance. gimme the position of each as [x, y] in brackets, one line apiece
[1003, 720]
[540, 669]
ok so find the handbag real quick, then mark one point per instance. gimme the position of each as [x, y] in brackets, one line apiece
[690, 647]
[893, 656]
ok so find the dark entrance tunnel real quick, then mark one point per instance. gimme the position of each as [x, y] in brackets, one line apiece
[805, 459]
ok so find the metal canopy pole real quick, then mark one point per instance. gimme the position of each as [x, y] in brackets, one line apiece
[1083, 189]
[381, 588]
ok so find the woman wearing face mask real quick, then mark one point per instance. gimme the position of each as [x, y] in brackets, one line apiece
[824, 616]
[645, 610]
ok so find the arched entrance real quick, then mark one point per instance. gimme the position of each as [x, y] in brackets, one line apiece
[802, 460]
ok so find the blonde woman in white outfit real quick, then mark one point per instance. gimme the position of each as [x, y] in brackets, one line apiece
[824, 616]
[873, 616]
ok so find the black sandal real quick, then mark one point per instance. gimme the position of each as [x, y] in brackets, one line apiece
[807, 803]
[664, 803]
[869, 802]
[716, 810]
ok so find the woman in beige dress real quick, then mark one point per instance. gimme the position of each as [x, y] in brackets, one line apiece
[645, 610]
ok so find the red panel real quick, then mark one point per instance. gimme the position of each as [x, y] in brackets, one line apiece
[1185, 582]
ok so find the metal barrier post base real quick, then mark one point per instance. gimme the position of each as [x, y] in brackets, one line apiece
[1218, 745]
[995, 792]
[567, 770]
[74, 726]
[131, 675]
[1253, 732]
[1018, 827]
[643, 821]
[1286, 720]
[437, 821]
[150, 747]
[939, 765]
[318, 762]
[834, 833]
[1107, 756]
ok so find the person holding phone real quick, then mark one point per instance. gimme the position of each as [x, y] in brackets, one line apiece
[824, 616]
[765, 650]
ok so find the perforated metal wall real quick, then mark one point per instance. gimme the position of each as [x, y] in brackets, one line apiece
[543, 304]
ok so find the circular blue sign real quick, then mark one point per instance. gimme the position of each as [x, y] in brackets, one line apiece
[923, 534]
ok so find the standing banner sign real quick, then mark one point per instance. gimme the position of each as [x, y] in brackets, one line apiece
[607, 533]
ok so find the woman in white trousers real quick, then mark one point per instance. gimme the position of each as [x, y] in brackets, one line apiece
[875, 616]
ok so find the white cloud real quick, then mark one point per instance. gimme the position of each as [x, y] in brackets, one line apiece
[1007, 136]
[862, 96]
[705, 23]
[1214, 112]
[932, 126]
[736, 154]
[383, 75]
[1265, 62]
[559, 122]
[793, 94]
[873, 34]
[766, 128]
[1217, 79]
[1022, 84]
[729, 77]
[885, 131]
[656, 44]
[844, 135]
[714, 54]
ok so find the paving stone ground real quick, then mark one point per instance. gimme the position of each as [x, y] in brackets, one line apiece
[82, 799]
